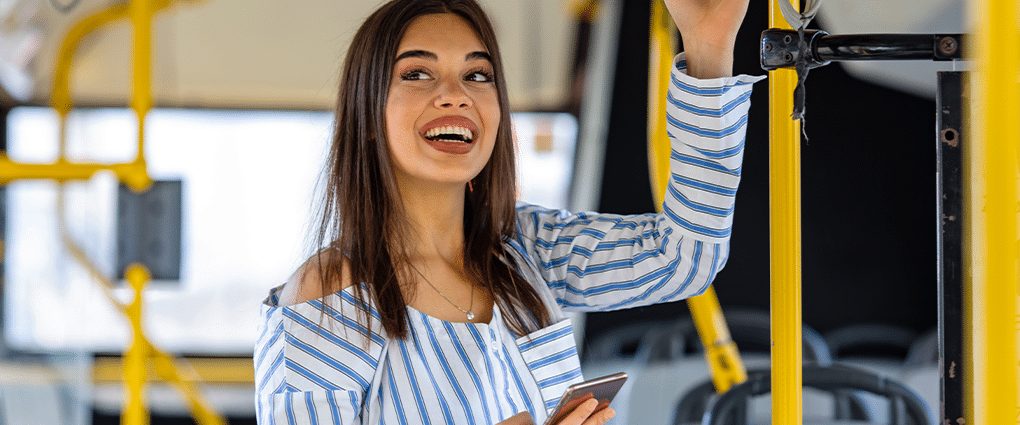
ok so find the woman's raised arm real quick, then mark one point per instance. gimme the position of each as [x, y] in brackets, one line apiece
[608, 262]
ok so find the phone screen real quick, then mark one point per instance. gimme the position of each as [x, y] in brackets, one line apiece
[602, 389]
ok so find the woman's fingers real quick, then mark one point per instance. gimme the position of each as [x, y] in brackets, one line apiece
[600, 417]
[582, 414]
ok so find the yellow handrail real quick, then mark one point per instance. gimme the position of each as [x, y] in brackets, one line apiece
[133, 174]
[992, 207]
[219, 370]
[720, 351]
[785, 227]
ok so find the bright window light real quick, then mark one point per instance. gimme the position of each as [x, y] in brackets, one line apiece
[249, 181]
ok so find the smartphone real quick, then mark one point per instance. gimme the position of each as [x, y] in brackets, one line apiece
[603, 389]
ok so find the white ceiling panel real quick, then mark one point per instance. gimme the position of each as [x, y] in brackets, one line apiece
[279, 54]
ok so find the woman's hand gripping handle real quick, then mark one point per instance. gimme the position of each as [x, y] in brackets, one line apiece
[709, 30]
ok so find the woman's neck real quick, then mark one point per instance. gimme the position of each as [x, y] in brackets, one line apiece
[436, 215]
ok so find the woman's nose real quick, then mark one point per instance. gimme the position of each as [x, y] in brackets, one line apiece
[452, 95]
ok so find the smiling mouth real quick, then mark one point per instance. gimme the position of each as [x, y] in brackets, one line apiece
[451, 134]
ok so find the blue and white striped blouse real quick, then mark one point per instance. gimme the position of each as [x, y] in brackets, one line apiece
[327, 368]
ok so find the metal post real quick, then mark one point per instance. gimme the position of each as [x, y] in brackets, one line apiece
[992, 209]
[949, 198]
[785, 227]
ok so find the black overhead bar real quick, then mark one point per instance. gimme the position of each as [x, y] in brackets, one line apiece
[780, 47]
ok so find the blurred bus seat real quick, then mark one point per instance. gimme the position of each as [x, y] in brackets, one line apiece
[905, 407]
[668, 360]
[892, 351]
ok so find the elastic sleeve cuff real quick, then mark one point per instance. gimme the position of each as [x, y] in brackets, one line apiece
[680, 62]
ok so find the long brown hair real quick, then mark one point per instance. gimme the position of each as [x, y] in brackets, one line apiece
[363, 217]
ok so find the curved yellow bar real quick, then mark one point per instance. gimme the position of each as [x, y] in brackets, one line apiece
[720, 351]
[61, 96]
[991, 171]
[785, 227]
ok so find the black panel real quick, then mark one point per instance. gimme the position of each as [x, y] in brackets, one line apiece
[149, 229]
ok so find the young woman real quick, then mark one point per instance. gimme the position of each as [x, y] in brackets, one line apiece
[434, 298]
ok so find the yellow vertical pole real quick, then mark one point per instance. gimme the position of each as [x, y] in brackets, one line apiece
[784, 212]
[135, 372]
[136, 358]
[720, 351]
[141, 13]
[992, 202]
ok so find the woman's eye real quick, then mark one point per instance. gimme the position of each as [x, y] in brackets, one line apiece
[415, 75]
[479, 77]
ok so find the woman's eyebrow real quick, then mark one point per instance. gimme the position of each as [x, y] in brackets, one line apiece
[478, 55]
[417, 54]
[424, 54]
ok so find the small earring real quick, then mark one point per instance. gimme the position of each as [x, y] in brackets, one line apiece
[471, 187]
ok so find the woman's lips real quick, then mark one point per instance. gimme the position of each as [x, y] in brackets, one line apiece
[457, 148]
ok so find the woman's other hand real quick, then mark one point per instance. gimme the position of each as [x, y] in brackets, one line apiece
[709, 31]
[583, 414]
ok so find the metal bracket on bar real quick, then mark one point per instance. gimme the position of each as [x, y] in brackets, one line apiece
[779, 47]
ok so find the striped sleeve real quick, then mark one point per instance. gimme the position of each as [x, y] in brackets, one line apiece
[707, 123]
[597, 262]
[318, 363]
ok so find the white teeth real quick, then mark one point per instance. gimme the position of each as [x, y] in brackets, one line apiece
[463, 132]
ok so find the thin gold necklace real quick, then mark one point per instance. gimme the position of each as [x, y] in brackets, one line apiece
[470, 315]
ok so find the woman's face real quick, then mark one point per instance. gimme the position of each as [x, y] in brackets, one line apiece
[442, 111]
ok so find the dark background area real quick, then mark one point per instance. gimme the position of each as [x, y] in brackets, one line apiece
[868, 192]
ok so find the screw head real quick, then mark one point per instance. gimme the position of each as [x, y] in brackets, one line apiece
[947, 45]
[788, 57]
[768, 47]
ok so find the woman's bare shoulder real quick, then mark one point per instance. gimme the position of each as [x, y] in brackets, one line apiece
[306, 283]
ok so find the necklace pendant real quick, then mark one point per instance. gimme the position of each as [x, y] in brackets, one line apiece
[470, 316]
